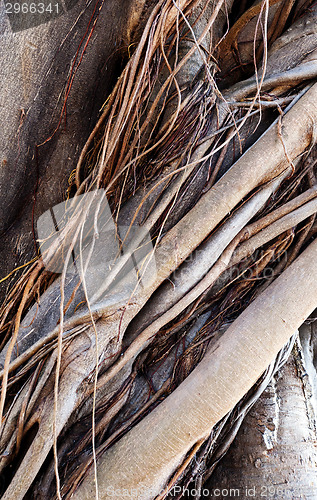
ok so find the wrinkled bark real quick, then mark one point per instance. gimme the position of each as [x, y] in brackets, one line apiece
[50, 100]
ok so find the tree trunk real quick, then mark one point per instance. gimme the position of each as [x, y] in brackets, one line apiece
[274, 453]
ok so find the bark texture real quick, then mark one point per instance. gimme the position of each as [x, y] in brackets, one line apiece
[196, 119]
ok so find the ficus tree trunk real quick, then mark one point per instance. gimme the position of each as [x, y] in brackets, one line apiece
[158, 251]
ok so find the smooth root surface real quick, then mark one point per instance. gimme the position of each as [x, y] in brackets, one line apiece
[143, 460]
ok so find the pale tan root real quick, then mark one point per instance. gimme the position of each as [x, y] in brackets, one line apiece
[275, 229]
[152, 450]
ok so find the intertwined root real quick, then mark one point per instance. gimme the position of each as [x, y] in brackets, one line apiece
[87, 357]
